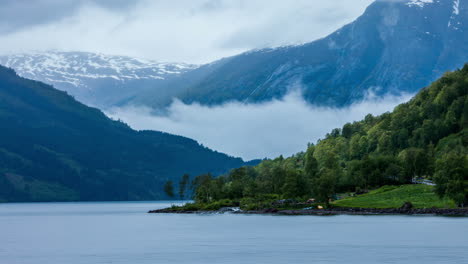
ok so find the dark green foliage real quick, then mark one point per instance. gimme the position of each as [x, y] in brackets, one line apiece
[206, 188]
[64, 150]
[295, 184]
[183, 186]
[452, 177]
[325, 185]
[169, 189]
[417, 162]
[310, 164]
[194, 207]
[426, 137]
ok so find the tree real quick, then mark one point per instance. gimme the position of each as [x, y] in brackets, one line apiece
[355, 150]
[416, 163]
[295, 185]
[169, 189]
[310, 164]
[324, 186]
[336, 132]
[384, 144]
[207, 188]
[238, 180]
[400, 138]
[347, 130]
[451, 177]
[355, 178]
[183, 186]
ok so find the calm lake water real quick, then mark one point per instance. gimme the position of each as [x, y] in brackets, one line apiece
[122, 232]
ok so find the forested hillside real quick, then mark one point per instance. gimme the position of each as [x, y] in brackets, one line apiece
[53, 148]
[425, 138]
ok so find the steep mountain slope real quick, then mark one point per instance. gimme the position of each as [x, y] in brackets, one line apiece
[95, 79]
[394, 47]
[55, 148]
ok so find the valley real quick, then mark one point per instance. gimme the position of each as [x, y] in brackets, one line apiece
[246, 131]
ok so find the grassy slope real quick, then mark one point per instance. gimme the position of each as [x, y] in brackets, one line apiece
[421, 196]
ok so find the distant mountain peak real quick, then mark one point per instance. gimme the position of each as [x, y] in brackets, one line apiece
[71, 67]
[94, 78]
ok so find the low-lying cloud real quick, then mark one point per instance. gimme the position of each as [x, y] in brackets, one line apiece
[279, 127]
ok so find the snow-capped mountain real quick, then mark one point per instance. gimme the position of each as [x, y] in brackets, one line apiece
[95, 79]
[395, 46]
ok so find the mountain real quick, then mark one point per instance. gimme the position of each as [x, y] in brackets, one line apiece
[95, 79]
[394, 47]
[53, 148]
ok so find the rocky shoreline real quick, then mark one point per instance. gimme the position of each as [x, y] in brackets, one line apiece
[331, 211]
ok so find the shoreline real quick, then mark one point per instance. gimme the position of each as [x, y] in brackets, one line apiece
[331, 211]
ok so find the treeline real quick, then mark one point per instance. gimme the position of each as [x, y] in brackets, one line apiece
[424, 138]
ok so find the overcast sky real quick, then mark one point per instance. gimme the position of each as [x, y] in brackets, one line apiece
[196, 31]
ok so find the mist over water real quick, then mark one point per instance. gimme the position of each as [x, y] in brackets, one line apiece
[278, 127]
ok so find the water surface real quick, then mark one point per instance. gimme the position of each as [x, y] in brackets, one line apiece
[122, 232]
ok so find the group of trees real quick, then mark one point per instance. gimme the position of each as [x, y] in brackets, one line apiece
[183, 187]
[424, 138]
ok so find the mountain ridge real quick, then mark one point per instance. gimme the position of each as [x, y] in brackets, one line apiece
[54, 148]
[94, 78]
[394, 47]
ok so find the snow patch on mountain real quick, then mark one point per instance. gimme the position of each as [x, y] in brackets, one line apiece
[456, 5]
[73, 67]
[420, 3]
[456, 11]
[96, 79]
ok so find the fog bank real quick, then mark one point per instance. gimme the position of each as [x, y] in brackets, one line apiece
[279, 127]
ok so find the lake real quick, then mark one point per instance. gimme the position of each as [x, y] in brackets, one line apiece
[122, 232]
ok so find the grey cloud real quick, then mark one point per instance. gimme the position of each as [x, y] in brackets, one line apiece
[196, 31]
[212, 5]
[285, 26]
[19, 14]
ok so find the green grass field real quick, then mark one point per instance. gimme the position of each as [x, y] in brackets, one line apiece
[421, 196]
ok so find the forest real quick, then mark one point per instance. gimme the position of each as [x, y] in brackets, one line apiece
[423, 139]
